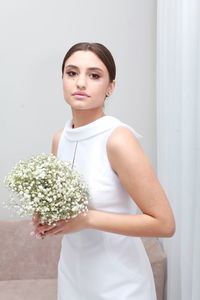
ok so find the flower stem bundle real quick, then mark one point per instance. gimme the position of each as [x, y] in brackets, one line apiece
[48, 186]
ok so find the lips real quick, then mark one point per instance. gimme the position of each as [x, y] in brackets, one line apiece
[80, 94]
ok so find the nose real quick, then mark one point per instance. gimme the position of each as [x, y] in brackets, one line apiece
[81, 82]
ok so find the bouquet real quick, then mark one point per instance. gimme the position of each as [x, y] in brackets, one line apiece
[46, 185]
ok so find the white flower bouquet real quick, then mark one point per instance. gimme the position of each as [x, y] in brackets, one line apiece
[46, 185]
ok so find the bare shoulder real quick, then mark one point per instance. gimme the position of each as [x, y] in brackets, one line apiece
[55, 142]
[123, 145]
[120, 135]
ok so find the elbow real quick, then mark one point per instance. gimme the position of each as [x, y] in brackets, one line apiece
[170, 232]
[169, 229]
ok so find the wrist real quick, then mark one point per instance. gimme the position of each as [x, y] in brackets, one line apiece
[90, 219]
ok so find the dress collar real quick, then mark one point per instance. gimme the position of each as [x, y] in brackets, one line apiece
[86, 131]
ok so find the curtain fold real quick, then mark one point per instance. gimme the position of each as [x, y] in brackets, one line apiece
[178, 139]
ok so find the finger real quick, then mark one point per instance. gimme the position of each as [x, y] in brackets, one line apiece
[57, 228]
[44, 228]
[41, 229]
[53, 231]
[59, 232]
[54, 224]
[48, 228]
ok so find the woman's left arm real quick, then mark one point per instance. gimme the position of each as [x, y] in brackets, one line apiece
[138, 178]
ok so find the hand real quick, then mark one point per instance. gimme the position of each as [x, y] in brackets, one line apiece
[36, 222]
[62, 226]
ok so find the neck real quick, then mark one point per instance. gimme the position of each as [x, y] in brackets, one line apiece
[84, 117]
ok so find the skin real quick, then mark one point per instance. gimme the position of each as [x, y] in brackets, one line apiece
[130, 163]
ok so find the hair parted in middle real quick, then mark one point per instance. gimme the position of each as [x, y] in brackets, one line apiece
[100, 50]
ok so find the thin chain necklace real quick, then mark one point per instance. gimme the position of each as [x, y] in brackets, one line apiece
[74, 154]
[74, 150]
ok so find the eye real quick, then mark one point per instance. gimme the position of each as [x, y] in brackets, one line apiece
[94, 76]
[71, 73]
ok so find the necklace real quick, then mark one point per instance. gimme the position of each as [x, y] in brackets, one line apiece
[74, 156]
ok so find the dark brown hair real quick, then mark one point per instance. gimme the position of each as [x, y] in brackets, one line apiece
[100, 50]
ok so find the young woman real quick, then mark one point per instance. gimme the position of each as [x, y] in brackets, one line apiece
[102, 256]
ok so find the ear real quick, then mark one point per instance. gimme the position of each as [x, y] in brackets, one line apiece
[110, 88]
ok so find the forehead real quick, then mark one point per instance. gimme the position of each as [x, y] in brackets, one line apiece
[85, 59]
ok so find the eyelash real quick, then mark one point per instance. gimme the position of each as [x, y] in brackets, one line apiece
[72, 74]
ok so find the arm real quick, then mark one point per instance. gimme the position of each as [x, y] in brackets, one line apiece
[138, 178]
[55, 142]
[136, 174]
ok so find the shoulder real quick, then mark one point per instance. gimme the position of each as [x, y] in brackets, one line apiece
[55, 141]
[121, 137]
[123, 147]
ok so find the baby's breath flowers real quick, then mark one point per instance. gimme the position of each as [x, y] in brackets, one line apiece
[46, 185]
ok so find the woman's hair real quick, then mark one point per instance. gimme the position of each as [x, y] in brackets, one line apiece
[100, 50]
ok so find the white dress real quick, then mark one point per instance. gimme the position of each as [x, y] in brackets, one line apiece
[94, 264]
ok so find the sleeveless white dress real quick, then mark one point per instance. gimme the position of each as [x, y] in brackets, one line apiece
[94, 264]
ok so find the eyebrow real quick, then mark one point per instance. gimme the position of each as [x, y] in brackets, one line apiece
[91, 68]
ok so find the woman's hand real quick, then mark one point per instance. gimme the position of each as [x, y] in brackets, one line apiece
[62, 226]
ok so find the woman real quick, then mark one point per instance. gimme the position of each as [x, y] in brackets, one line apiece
[102, 256]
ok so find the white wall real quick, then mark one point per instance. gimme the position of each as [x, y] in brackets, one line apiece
[35, 36]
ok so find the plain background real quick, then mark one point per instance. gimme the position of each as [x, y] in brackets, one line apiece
[35, 35]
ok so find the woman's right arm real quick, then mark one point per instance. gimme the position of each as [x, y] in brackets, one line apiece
[55, 141]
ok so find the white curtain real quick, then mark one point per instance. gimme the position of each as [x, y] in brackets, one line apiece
[178, 136]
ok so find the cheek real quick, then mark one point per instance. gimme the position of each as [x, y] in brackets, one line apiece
[66, 86]
[101, 88]
[66, 91]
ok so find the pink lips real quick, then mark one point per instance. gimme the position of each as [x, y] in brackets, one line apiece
[80, 94]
